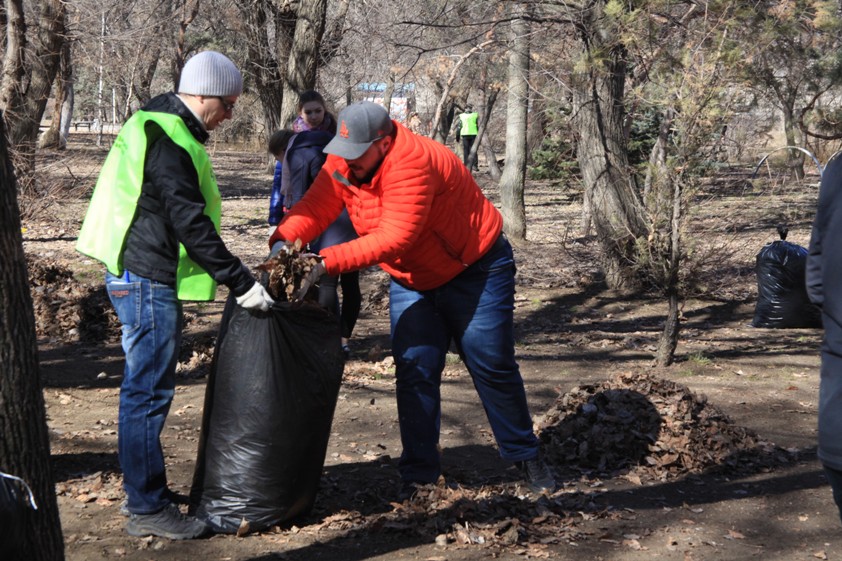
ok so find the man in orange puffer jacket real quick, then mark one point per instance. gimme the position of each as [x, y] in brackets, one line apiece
[421, 216]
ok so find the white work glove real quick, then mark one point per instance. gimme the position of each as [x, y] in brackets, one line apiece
[312, 278]
[256, 299]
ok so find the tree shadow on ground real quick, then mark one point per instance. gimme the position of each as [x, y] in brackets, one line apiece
[82, 464]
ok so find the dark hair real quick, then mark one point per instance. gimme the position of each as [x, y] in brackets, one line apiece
[279, 140]
[310, 95]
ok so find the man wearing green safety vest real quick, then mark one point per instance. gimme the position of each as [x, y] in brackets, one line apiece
[153, 221]
[467, 130]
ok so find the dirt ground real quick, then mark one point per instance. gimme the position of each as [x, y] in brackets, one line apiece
[571, 332]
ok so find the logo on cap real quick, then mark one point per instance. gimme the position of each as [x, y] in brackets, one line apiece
[343, 130]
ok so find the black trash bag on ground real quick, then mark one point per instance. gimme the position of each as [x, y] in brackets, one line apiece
[782, 300]
[269, 405]
[15, 499]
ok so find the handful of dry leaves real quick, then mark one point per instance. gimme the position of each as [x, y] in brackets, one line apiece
[286, 270]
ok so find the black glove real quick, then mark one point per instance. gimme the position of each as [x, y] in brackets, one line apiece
[312, 278]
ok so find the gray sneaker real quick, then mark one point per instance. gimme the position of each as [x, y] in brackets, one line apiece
[174, 497]
[537, 475]
[168, 523]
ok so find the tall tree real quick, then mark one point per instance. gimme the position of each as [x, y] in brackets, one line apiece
[599, 111]
[304, 60]
[24, 442]
[514, 173]
[26, 85]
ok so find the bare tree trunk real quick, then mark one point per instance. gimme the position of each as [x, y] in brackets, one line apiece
[488, 105]
[30, 99]
[491, 158]
[50, 138]
[268, 34]
[303, 62]
[188, 14]
[668, 341]
[14, 60]
[100, 115]
[388, 93]
[332, 37]
[69, 100]
[794, 158]
[56, 135]
[616, 210]
[586, 221]
[514, 172]
[24, 442]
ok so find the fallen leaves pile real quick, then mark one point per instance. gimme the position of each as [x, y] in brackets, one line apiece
[650, 428]
[68, 310]
[285, 272]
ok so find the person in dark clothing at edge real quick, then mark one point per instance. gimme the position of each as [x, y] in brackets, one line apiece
[824, 288]
[421, 216]
[154, 221]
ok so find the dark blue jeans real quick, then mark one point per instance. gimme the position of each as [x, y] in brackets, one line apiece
[152, 321]
[476, 311]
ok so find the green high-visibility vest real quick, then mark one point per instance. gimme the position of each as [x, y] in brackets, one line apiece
[469, 124]
[114, 201]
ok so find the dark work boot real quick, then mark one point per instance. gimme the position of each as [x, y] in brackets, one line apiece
[537, 475]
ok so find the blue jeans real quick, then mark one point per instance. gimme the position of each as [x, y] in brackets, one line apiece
[152, 321]
[476, 311]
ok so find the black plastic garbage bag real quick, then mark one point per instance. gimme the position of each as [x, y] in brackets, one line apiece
[15, 499]
[269, 405]
[781, 287]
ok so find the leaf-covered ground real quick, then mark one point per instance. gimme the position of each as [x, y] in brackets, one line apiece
[712, 458]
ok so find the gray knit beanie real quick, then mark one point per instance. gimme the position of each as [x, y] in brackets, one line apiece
[210, 73]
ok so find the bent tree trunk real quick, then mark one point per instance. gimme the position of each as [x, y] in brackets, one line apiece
[24, 444]
[616, 210]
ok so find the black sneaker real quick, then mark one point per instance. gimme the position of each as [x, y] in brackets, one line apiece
[168, 523]
[537, 475]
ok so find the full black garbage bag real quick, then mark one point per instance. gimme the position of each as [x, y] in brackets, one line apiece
[781, 287]
[269, 405]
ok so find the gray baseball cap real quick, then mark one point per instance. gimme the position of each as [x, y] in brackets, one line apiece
[360, 124]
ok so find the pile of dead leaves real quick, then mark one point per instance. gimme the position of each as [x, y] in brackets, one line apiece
[650, 428]
[67, 310]
[285, 271]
